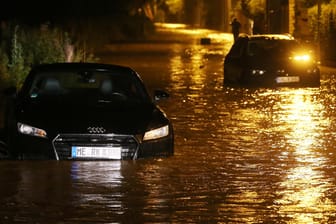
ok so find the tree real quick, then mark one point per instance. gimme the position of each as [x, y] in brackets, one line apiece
[253, 8]
[169, 10]
[324, 28]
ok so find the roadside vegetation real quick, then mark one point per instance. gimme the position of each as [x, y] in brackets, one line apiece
[22, 47]
[323, 25]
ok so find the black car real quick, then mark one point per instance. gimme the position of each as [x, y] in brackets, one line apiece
[80, 111]
[270, 60]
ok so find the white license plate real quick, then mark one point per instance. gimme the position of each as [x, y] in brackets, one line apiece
[96, 152]
[287, 79]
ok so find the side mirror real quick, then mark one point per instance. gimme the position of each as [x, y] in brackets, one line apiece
[160, 94]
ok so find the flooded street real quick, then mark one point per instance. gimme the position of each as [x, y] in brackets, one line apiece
[264, 155]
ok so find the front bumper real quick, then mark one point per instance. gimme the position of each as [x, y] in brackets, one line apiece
[60, 147]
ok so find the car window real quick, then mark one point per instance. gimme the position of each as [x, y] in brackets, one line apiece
[94, 86]
[237, 48]
[270, 47]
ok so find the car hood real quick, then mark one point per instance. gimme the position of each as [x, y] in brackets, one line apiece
[119, 118]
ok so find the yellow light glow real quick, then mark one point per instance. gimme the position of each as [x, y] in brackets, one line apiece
[171, 25]
[303, 57]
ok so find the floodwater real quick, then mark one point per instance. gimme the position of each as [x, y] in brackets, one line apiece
[241, 155]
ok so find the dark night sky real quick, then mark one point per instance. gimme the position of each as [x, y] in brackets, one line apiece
[52, 8]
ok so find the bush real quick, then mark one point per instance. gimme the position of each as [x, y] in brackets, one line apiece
[22, 48]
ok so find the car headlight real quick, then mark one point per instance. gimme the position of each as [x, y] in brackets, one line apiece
[156, 133]
[301, 57]
[29, 130]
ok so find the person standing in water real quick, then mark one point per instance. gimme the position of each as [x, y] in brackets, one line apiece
[235, 25]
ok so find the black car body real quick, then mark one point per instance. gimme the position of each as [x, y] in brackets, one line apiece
[70, 111]
[270, 60]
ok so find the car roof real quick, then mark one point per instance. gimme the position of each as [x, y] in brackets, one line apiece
[268, 37]
[87, 66]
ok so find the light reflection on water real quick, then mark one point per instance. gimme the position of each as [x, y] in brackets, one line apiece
[255, 155]
[302, 187]
[266, 147]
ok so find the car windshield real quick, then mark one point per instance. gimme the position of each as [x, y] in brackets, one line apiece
[97, 86]
[270, 47]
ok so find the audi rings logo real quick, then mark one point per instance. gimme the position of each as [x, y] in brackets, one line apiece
[96, 130]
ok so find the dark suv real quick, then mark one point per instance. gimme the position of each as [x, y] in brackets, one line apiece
[270, 60]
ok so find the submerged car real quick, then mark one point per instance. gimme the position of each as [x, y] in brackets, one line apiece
[270, 60]
[86, 111]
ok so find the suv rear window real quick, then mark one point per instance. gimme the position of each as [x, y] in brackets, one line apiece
[266, 47]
